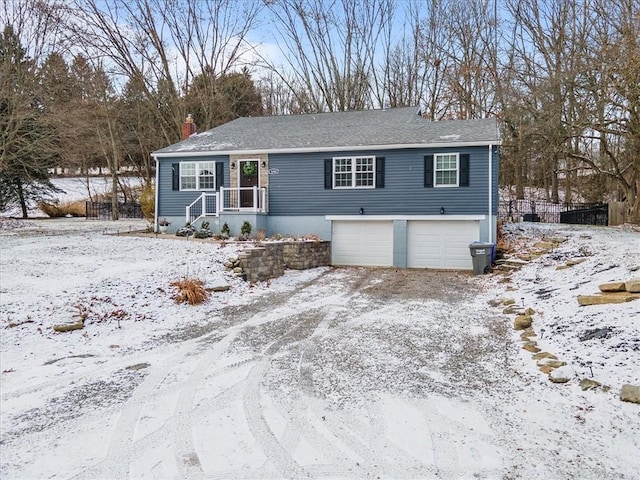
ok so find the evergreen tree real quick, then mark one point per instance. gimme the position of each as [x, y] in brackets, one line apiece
[28, 142]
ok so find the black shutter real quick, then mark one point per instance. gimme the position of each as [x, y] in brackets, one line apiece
[219, 175]
[380, 172]
[175, 170]
[428, 170]
[464, 170]
[328, 174]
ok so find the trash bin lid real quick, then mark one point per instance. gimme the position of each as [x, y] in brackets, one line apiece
[480, 245]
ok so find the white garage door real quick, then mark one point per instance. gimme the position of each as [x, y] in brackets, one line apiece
[365, 243]
[441, 244]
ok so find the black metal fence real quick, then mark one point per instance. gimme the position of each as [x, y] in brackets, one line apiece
[547, 212]
[593, 215]
[102, 210]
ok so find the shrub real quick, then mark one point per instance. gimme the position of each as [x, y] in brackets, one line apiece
[261, 235]
[185, 231]
[190, 290]
[245, 229]
[148, 202]
[204, 231]
[225, 230]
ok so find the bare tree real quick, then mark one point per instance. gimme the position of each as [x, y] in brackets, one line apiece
[610, 106]
[330, 48]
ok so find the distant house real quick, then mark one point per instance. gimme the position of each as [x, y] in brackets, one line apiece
[387, 187]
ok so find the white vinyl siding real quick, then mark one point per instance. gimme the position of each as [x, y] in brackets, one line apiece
[446, 167]
[197, 176]
[354, 172]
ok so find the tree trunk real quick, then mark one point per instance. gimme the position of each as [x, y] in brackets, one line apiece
[114, 194]
[555, 195]
[23, 203]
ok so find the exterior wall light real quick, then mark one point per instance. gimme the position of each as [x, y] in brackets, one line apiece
[361, 210]
[233, 165]
[441, 210]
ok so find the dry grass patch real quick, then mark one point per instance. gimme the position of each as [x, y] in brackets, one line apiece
[75, 209]
[190, 290]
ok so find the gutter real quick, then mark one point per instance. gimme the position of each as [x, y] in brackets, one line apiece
[490, 193]
[318, 149]
[157, 188]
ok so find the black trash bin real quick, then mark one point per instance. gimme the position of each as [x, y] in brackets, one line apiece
[481, 254]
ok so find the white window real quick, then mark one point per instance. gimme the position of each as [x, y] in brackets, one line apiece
[354, 172]
[197, 176]
[445, 170]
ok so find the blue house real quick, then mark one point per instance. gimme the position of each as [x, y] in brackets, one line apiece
[387, 187]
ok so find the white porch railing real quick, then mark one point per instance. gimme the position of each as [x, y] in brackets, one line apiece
[243, 199]
[206, 205]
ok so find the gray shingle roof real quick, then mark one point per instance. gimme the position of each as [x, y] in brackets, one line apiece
[339, 130]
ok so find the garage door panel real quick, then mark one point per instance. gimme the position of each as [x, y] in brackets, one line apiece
[366, 243]
[441, 244]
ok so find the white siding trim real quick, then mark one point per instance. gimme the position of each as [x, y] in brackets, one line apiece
[354, 148]
[374, 218]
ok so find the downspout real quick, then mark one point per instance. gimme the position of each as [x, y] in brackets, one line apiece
[490, 193]
[157, 188]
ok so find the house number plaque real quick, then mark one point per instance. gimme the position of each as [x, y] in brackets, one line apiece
[274, 171]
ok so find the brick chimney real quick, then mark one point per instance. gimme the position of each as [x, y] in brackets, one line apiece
[188, 127]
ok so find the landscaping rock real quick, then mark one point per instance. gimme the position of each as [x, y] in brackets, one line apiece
[612, 287]
[557, 240]
[531, 347]
[138, 366]
[529, 311]
[544, 245]
[68, 327]
[508, 301]
[238, 270]
[522, 322]
[615, 297]
[527, 334]
[561, 374]
[589, 384]
[633, 285]
[575, 261]
[541, 355]
[216, 284]
[571, 263]
[550, 362]
[510, 310]
[596, 333]
[630, 393]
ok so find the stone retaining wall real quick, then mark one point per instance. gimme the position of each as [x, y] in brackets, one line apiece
[271, 259]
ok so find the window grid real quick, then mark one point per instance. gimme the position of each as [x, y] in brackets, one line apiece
[197, 176]
[446, 170]
[206, 177]
[354, 172]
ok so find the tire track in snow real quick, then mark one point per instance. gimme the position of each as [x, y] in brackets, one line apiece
[116, 463]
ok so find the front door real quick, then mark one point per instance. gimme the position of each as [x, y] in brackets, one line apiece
[248, 179]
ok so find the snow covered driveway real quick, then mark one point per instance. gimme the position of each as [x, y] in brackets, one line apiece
[328, 373]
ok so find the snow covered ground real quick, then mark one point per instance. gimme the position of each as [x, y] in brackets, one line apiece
[326, 373]
[74, 189]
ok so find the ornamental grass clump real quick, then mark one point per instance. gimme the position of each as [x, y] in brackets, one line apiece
[190, 290]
